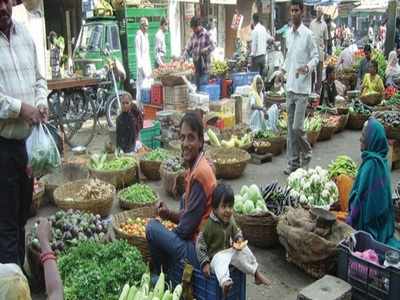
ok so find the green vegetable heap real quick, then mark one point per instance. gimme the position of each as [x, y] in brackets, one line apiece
[92, 271]
[138, 193]
[102, 163]
[394, 100]
[358, 107]
[157, 155]
[343, 165]
[173, 165]
[379, 57]
[264, 135]
[219, 68]
[313, 124]
[249, 201]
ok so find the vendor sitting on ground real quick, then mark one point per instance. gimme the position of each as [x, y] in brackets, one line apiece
[169, 247]
[328, 91]
[215, 249]
[364, 64]
[257, 109]
[371, 205]
[372, 82]
[392, 72]
[129, 124]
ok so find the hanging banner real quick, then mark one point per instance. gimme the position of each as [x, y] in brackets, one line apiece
[224, 2]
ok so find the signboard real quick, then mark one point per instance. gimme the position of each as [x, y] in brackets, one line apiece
[224, 2]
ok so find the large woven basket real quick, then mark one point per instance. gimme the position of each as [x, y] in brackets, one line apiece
[356, 121]
[137, 241]
[37, 199]
[131, 205]
[392, 132]
[120, 179]
[372, 99]
[229, 170]
[326, 133]
[262, 149]
[312, 137]
[173, 182]
[277, 145]
[71, 189]
[342, 123]
[259, 230]
[150, 168]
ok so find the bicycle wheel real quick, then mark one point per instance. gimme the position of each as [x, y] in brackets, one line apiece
[78, 120]
[114, 109]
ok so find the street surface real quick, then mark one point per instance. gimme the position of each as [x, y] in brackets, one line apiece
[287, 279]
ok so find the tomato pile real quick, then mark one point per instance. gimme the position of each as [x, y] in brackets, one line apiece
[137, 227]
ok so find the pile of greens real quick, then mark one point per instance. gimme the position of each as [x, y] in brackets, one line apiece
[313, 124]
[102, 163]
[157, 155]
[173, 165]
[357, 107]
[249, 201]
[92, 271]
[138, 193]
[394, 100]
[265, 134]
[343, 165]
[379, 57]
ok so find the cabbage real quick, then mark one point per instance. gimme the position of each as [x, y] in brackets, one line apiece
[254, 193]
[239, 199]
[261, 205]
[244, 190]
[238, 207]
[248, 207]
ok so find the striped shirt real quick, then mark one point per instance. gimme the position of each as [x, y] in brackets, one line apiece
[20, 81]
[198, 43]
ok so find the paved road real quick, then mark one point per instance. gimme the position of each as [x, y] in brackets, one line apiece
[287, 279]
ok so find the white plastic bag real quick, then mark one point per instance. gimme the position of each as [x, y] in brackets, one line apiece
[42, 151]
[13, 283]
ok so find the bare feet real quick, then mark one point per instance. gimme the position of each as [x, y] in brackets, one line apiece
[226, 287]
[259, 279]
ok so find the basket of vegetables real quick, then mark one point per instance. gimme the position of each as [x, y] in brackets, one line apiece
[257, 223]
[137, 195]
[131, 226]
[172, 176]
[391, 121]
[229, 163]
[313, 127]
[150, 163]
[329, 126]
[37, 198]
[68, 229]
[118, 170]
[277, 141]
[89, 195]
[371, 98]
[261, 147]
[358, 115]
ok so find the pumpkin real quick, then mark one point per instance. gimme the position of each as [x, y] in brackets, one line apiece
[344, 184]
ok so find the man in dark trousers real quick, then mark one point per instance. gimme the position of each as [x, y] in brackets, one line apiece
[23, 103]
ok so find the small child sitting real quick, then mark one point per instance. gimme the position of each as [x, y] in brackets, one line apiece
[129, 124]
[214, 244]
[328, 91]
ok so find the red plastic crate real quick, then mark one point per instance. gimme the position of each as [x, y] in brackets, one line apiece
[157, 95]
[226, 84]
[150, 111]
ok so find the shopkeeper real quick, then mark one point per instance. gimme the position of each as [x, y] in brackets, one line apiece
[169, 247]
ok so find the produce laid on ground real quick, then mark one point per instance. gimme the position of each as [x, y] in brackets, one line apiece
[69, 228]
[249, 201]
[138, 194]
[158, 154]
[173, 165]
[277, 198]
[313, 124]
[143, 291]
[219, 68]
[175, 67]
[115, 163]
[93, 271]
[390, 92]
[342, 165]
[137, 226]
[95, 190]
[314, 187]
[393, 100]
[357, 107]
[389, 118]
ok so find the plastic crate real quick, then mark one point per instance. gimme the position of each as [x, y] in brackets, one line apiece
[157, 95]
[150, 111]
[150, 133]
[176, 94]
[243, 78]
[213, 90]
[209, 289]
[145, 96]
[369, 280]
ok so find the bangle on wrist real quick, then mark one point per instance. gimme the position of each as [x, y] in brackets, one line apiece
[48, 257]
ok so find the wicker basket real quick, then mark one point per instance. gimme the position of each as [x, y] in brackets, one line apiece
[277, 145]
[356, 121]
[342, 123]
[37, 199]
[315, 269]
[259, 230]
[130, 205]
[173, 182]
[372, 99]
[229, 170]
[262, 149]
[120, 179]
[326, 133]
[137, 241]
[71, 189]
[392, 133]
[312, 137]
[342, 110]
[150, 169]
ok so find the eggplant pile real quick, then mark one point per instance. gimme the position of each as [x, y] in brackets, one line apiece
[360, 108]
[389, 118]
[277, 198]
[71, 227]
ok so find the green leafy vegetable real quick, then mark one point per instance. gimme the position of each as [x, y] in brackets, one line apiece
[157, 155]
[138, 193]
[343, 165]
[102, 163]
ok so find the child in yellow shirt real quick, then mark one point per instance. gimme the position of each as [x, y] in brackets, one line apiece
[372, 82]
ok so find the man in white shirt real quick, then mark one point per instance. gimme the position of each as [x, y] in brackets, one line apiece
[320, 31]
[346, 59]
[301, 59]
[161, 47]
[142, 57]
[259, 39]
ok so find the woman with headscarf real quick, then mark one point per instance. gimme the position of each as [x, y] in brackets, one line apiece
[392, 70]
[257, 110]
[371, 204]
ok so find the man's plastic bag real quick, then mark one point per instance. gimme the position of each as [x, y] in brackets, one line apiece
[13, 283]
[42, 151]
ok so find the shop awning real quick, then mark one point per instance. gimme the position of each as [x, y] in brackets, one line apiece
[371, 6]
[224, 2]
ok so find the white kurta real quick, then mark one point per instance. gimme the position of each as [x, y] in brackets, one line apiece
[143, 61]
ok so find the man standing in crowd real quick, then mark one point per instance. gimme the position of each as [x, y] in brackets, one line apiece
[199, 47]
[23, 100]
[364, 64]
[161, 47]
[301, 59]
[259, 39]
[142, 57]
[320, 31]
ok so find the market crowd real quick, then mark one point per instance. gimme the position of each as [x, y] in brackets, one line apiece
[206, 228]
